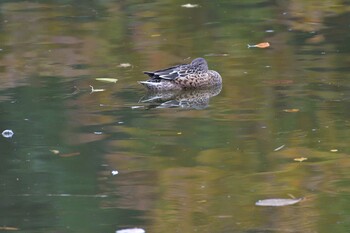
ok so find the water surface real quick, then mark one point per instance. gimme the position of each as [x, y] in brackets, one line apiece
[188, 168]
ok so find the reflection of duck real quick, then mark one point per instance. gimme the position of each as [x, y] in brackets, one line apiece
[187, 76]
[188, 99]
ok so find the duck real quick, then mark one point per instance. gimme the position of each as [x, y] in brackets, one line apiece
[194, 75]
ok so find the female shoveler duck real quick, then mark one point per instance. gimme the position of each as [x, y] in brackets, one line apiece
[187, 76]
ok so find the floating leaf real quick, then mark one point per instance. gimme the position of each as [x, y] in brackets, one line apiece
[131, 230]
[216, 55]
[124, 65]
[70, 154]
[137, 106]
[96, 90]
[277, 202]
[7, 133]
[109, 80]
[279, 148]
[56, 152]
[291, 110]
[301, 159]
[189, 5]
[9, 229]
[262, 45]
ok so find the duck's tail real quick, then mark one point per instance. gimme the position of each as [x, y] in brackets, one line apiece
[151, 74]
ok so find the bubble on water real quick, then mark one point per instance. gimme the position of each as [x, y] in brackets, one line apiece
[7, 133]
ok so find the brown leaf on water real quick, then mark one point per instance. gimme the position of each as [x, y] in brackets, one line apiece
[291, 110]
[316, 39]
[70, 154]
[262, 45]
[301, 159]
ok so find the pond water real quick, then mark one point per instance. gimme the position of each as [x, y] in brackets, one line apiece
[119, 158]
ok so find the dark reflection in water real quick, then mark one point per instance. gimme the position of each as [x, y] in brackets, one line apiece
[187, 99]
[186, 167]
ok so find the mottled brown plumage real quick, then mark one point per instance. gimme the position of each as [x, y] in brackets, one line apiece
[195, 75]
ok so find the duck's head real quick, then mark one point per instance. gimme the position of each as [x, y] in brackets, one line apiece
[200, 63]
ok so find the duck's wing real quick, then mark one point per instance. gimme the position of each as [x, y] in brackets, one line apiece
[170, 73]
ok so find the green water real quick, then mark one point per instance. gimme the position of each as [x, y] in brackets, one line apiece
[196, 168]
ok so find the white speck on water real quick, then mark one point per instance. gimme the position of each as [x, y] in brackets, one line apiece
[7, 133]
[131, 230]
[279, 148]
[115, 172]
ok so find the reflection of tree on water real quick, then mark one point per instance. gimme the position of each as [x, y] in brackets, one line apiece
[188, 99]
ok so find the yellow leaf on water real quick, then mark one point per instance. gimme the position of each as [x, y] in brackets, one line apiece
[110, 80]
[291, 110]
[334, 150]
[301, 159]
